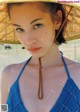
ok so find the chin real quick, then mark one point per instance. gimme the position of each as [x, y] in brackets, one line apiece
[38, 55]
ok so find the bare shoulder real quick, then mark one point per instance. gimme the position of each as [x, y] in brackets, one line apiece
[10, 73]
[8, 76]
[74, 70]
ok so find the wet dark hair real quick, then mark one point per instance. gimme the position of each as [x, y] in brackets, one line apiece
[52, 8]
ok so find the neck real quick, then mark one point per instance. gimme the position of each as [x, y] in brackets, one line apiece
[52, 58]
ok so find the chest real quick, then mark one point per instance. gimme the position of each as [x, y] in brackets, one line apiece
[52, 87]
[53, 83]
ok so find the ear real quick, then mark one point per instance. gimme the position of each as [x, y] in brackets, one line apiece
[58, 19]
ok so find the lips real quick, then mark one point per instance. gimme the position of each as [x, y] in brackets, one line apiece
[34, 49]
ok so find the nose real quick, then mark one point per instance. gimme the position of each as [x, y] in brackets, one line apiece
[30, 42]
[29, 39]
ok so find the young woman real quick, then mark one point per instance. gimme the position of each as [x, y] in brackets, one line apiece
[47, 81]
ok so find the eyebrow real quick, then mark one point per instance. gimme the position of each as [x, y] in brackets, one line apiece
[30, 22]
[16, 25]
[35, 20]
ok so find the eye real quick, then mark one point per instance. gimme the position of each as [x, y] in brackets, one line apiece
[37, 26]
[19, 30]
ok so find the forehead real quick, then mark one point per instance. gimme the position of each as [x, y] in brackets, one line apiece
[28, 5]
[28, 10]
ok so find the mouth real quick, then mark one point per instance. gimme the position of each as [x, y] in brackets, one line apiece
[34, 49]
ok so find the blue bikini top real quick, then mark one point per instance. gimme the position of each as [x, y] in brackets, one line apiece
[68, 100]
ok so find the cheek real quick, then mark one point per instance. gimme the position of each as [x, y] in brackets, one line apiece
[48, 38]
[20, 38]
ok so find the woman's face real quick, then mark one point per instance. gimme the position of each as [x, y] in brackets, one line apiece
[34, 27]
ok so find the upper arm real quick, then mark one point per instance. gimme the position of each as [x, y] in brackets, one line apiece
[4, 85]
